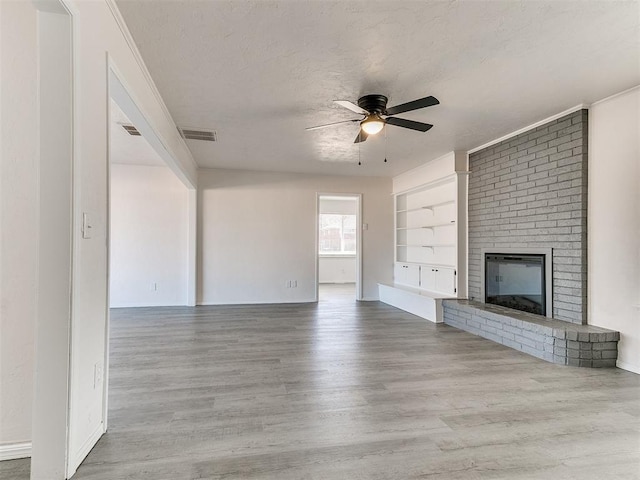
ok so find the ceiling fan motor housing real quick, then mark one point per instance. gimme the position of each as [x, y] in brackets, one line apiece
[374, 107]
[373, 103]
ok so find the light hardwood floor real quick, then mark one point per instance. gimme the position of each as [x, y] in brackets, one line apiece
[346, 390]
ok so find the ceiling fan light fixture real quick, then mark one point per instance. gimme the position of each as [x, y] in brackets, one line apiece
[372, 124]
[374, 107]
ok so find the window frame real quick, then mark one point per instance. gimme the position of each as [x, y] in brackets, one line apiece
[342, 253]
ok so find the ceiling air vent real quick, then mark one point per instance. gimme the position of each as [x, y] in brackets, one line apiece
[131, 130]
[191, 134]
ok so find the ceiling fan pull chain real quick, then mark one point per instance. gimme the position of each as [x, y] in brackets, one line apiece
[385, 144]
[359, 143]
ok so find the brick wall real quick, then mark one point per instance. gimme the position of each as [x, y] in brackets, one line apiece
[555, 341]
[531, 191]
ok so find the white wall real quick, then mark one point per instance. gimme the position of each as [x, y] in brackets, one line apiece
[149, 237]
[98, 29]
[337, 268]
[257, 231]
[18, 219]
[614, 221]
[431, 171]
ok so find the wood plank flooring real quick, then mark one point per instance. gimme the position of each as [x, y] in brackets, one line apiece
[346, 390]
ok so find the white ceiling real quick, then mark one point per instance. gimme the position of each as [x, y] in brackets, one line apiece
[259, 72]
[125, 148]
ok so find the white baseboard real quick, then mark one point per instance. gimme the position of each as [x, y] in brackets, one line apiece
[248, 302]
[628, 366]
[147, 305]
[13, 451]
[84, 450]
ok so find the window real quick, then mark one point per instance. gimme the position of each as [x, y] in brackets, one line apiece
[337, 234]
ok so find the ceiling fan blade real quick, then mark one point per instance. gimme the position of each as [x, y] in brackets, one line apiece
[362, 136]
[415, 105]
[401, 122]
[332, 124]
[351, 106]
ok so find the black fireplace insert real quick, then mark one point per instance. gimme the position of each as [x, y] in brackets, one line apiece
[516, 281]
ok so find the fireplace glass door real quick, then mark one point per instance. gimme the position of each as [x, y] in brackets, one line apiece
[516, 281]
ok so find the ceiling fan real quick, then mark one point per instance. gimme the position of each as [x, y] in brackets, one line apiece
[376, 115]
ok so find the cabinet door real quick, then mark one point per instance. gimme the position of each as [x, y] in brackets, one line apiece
[428, 278]
[445, 279]
[399, 273]
[406, 274]
[413, 276]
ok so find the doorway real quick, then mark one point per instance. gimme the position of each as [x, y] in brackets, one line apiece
[338, 251]
[152, 204]
[148, 222]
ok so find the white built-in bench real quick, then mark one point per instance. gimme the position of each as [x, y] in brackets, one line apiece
[422, 303]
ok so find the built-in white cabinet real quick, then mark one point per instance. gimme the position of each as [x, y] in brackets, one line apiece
[407, 274]
[426, 277]
[438, 279]
[430, 236]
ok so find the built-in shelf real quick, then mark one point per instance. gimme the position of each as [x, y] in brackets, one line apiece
[449, 224]
[436, 265]
[430, 241]
[427, 207]
[427, 246]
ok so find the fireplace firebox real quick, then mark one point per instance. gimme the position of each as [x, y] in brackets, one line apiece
[516, 281]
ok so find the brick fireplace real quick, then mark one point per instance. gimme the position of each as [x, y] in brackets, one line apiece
[528, 195]
[529, 192]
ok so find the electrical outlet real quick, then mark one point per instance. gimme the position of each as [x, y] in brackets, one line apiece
[154, 287]
[97, 375]
[294, 283]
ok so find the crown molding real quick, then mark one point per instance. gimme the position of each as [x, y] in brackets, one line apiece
[529, 127]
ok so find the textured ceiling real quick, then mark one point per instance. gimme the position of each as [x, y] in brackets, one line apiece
[259, 72]
[125, 148]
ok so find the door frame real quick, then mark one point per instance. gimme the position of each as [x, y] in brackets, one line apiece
[358, 198]
[57, 199]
